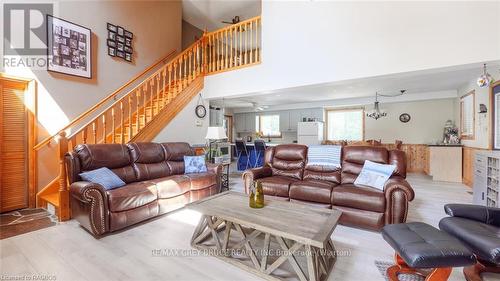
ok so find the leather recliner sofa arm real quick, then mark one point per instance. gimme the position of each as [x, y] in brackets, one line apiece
[249, 176]
[398, 193]
[89, 206]
[216, 169]
[488, 215]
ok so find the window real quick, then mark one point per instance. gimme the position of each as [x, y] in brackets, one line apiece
[467, 116]
[345, 124]
[268, 125]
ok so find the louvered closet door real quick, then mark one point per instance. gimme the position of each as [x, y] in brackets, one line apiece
[13, 147]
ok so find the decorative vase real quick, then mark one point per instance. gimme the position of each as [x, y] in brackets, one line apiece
[256, 196]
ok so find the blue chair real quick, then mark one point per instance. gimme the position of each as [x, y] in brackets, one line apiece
[243, 158]
[259, 151]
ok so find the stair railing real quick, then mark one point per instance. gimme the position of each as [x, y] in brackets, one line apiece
[229, 48]
[235, 46]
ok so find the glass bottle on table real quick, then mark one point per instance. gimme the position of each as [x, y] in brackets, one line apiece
[256, 195]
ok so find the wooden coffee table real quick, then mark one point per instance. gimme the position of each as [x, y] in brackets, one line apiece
[262, 240]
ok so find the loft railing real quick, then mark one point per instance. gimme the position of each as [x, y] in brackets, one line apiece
[233, 47]
[226, 49]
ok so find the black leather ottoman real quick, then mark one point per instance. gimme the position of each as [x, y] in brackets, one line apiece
[419, 245]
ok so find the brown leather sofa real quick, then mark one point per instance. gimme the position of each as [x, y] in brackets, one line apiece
[154, 177]
[287, 176]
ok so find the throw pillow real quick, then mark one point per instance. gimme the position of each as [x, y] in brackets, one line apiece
[104, 177]
[194, 164]
[374, 174]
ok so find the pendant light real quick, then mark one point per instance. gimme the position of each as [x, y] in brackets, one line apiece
[485, 79]
[376, 113]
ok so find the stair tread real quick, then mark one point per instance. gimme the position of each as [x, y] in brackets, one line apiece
[52, 198]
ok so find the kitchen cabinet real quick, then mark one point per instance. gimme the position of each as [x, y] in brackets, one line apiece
[249, 122]
[244, 122]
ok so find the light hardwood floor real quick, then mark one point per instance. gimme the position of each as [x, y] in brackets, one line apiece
[67, 252]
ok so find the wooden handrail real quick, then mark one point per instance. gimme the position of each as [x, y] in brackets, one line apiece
[109, 97]
[257, 18]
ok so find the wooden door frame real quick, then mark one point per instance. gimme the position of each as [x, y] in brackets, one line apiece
[491, 121]
[31, 94]
[230, 127]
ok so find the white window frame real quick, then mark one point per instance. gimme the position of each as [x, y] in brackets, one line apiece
[467, 115]
[258, 122]
[362, 110]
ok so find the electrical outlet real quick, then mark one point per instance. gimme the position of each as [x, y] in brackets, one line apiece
[198, 123]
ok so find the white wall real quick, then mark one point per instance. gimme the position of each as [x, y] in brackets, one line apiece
[426, 124]
[312, 42]
[184, 126]
[482, 96]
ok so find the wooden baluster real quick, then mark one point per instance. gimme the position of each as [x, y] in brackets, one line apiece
[159, 99]
[231, 47]
[179, 79]
[257, 46]
[122, 122]
[130, 121]
[190, 69]
[217, 52]
[94, 131]
[84, 135]
[145, 104]
[104, 127]
[175, 86]
[137, 107]
[170, 89]
[164, 89]
[225, 48]
[246, 44]
[213, 53]
[113, 124]
[64, 211]
[240, 61]
[186, 74]
[251, 42]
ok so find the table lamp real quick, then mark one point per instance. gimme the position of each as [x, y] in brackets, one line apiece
[213, 135]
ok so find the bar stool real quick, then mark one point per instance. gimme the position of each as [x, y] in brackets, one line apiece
[242, 154]
[259, 150]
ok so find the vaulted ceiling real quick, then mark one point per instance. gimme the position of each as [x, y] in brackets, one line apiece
[209, 14]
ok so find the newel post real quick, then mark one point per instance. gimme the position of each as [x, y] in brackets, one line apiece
[64, 210]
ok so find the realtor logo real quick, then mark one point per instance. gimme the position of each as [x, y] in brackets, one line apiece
[25, 29]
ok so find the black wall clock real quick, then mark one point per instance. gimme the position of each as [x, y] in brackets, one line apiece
[405, 117]
[201, 111]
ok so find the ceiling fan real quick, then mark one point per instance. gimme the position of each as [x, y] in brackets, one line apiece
[234, 20]
[257, 107]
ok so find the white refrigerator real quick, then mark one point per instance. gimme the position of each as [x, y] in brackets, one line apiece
[310, 133]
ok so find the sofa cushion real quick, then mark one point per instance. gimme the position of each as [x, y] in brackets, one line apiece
[175, 151]
[312, 190]
[483, 239]
[289, 160]
[148, 160]
[322, 173]
[94, 156]
[354, 157]
[363, 198]
[202, 180]
[103, 176]
[171, 186]
[194, 164]
[132, 195]
[277, 185]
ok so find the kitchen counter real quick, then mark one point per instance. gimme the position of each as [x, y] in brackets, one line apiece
[252, 144]
[445, 162]
[445, 145]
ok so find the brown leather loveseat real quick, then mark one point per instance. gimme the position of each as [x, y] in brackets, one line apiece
[154, 177]
[287, 176]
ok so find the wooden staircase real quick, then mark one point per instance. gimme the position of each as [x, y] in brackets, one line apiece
[141, 113]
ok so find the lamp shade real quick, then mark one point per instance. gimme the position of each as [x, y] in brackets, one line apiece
[216, 133]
